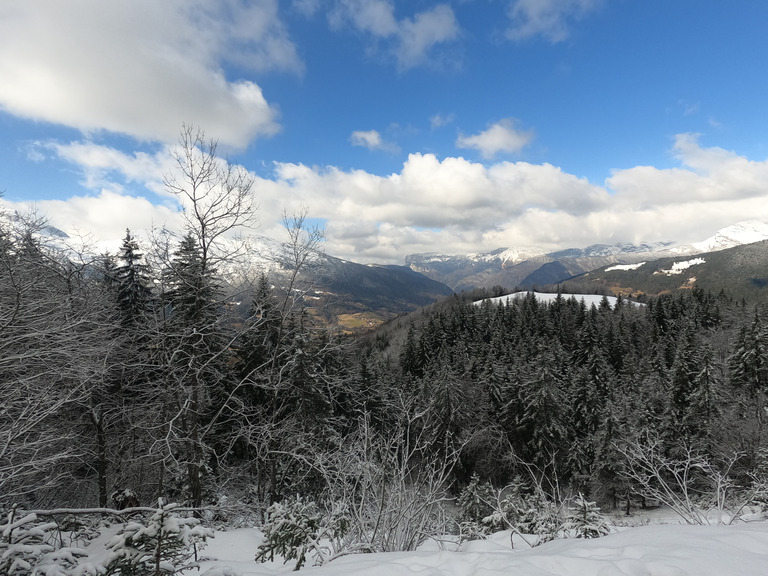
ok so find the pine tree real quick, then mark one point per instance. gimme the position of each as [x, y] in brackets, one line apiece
[476, 501]
[585, 519]
[166, 544]
[258, 344]
[542, 421]
[133, 281]
[749, 359]
[196, 354]
[682, 386]
[193, 289]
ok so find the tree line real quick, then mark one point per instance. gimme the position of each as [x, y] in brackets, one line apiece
[154, 374]
[560, 390]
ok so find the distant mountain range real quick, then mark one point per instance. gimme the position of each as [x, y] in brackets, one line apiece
[338, 292]
[355, 296]
[531, 267]
[740, 271]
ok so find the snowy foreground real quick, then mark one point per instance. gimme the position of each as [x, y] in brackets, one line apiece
[661, 550]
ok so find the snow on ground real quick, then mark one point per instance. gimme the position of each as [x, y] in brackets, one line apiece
[624, 267]
[678, 267]
[662, 550]
[738, 234]
[588, 299]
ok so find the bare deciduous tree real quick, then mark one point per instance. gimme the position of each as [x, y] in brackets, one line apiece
[195, 339]
[54, 343]
[697, 489]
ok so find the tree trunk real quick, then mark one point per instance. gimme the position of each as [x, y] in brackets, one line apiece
[101, 455]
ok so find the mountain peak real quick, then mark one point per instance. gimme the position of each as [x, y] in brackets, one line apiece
[746, 232]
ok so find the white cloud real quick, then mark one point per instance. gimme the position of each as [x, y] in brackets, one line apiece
[103, 218]
[455, 205]
[424, 31]
[450, 205]
[142, 68]
[410, 39]
[440, 120]
[306, 7]
[102, 166]
[370, 139]
[433, 205]
[547, 18]
[376, 17]
[502, 136]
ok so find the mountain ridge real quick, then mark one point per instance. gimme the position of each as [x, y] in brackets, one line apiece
[337, 292]
[535, 267]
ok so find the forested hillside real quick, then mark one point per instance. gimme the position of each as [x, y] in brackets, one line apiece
[740, 271]
[117, 375]
[565, 388]
[134, 377]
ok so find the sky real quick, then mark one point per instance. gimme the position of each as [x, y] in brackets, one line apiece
[399, 126]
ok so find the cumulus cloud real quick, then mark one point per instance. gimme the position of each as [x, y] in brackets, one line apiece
[306, 7]
[142, 68]
[452, 205]
[106, 167]
[101, 219]
[376, 17]
[547, 18]
[372, 140]
[433, 204]
[503, 136]
[425, 30]
[410, 40]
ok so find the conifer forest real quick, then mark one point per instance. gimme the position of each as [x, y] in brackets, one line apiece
[150, 374]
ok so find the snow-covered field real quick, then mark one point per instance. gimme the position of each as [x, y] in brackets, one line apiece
[625, 267]
[547, 297]
[659, 550]
[679, 267]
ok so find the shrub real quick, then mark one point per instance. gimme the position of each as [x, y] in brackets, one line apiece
[29, 547]
[585, 519]
[296, 527]
[165, 544]
[476, 501]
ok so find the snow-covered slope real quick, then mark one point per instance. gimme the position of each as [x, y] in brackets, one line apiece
[739, 234]
[678, 550]
[509, 256]
[531, 266]
[588, 299]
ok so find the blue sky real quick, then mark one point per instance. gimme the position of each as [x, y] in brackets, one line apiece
[403, 126]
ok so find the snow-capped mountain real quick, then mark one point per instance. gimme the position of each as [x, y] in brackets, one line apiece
[741, 233]
[350, 295]
[530, 266]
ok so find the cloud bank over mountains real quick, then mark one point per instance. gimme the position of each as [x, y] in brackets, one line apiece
[451, 205]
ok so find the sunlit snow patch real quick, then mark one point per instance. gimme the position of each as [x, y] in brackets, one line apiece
[625, 267]
[546, 297]
[678, 267]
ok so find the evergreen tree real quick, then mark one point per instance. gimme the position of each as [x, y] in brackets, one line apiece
[749, 360]
[166, 544]
[542, 423]
[133, 281]
[196, 356]
[681, 388]
[585, 520]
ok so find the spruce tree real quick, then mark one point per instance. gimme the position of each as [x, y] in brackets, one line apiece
[585, 520]
[132, 277]
[196, 354]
